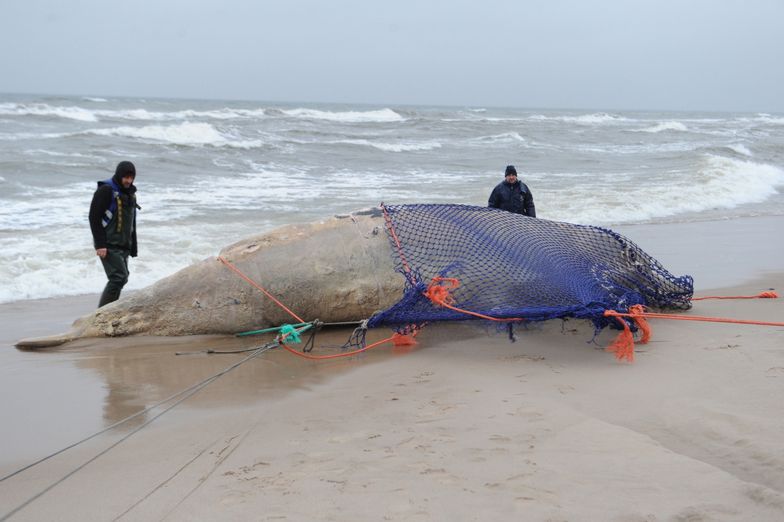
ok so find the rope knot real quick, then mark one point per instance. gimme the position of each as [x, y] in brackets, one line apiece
[439, 293]
[637, 313]
[289, 334]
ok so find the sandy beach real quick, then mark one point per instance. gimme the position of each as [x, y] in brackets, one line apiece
[464, 426]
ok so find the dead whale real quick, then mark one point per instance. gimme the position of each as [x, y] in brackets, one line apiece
[381, 264]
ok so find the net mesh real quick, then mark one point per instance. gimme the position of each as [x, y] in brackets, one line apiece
[512, 267]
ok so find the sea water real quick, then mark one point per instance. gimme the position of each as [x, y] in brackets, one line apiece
[213, 172]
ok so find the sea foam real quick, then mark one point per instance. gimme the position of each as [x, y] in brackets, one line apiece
[92, 115]
[664, 126]
[145, 115]
[393, 147]
[375, 116]
[44, 110]
[506, 137]
[186, 134]
[584, 119]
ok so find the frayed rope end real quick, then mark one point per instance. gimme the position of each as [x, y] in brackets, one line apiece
[623, 345]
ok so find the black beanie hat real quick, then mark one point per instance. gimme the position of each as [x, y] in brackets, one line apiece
[510, 169]
[125, 168]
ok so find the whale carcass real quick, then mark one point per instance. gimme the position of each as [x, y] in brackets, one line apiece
[383, 264]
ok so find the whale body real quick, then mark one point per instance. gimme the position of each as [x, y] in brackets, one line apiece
[335, 270]
[388, 266]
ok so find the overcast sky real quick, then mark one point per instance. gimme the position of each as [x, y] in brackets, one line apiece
[583, 54]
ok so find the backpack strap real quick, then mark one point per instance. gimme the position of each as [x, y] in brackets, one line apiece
[113, 206]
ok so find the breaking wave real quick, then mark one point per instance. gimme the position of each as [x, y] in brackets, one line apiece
[506, 137]
[393, 147]
[42, 109]
[186, 134]
[585, 119]
[664, 126]
[376, 116]
[718, 183]
[92, 115]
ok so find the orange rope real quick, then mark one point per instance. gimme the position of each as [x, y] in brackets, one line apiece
[391, 229]
[441, 296]
[762, 295]
[613, 313]
[259, 287]
[396, 339]
[623, 345]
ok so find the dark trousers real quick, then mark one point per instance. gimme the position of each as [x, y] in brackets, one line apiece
[115, 264]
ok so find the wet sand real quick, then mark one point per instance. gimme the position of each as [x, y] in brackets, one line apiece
[466, 426]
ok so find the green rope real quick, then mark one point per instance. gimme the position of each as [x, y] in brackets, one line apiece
[266, 330]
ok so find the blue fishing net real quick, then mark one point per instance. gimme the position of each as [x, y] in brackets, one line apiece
[508, 266]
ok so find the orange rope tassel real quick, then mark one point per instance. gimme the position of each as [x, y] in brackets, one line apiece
[623, 345]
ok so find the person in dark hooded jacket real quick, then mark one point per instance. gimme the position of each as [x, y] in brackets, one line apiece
[113, 226]
[512, 195]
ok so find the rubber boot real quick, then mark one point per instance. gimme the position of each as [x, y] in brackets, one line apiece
[110, 294]
[115, 264]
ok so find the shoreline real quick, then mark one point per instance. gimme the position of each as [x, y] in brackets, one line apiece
[466, 426]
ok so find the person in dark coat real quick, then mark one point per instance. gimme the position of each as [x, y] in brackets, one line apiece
[113, 226]
[512, 195]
